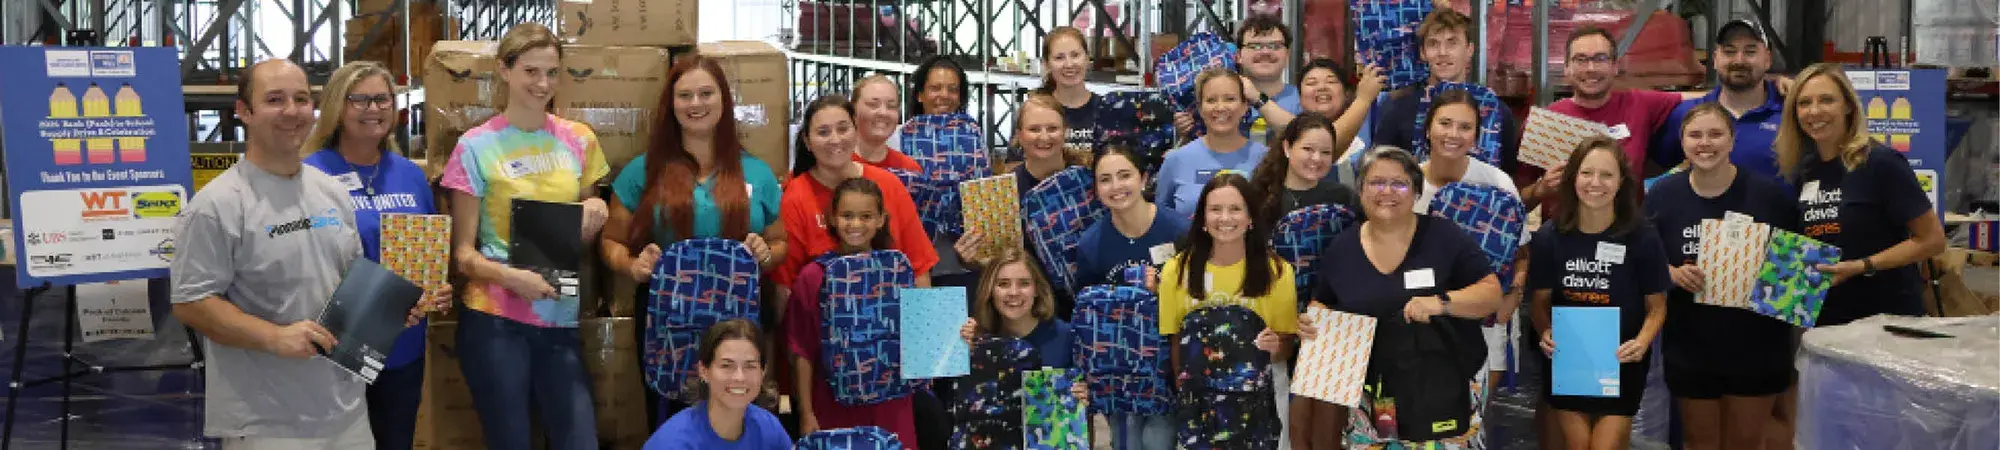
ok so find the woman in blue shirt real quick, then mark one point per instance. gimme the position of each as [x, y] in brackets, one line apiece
[351, 142]
[1220, 96]
[1138, 233]
[727, 418]
[694, 181]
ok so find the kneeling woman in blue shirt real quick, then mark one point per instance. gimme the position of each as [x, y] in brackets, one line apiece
[732, 376]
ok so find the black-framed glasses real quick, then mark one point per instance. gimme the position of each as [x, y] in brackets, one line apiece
[1585, 60]
[1264, 46]
[379, 101]
[1395, 186]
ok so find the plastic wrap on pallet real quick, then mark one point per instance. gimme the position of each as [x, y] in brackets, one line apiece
[1862, 387]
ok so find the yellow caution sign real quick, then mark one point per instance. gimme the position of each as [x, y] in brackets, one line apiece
[207, 166]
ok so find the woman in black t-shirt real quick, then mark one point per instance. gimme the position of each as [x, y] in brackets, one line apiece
[1419, 277]
[1858, 195]
[1725, 397]
[1293, 175]
[1065, 66]
[1599, 252]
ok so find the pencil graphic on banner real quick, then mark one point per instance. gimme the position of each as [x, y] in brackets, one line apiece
[95, 106]
[130, 149]
[62, 105]
[1900, 112]
[1878, 110]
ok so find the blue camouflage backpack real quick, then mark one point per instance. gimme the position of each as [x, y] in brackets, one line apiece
[1386, 36]
[949, 149]
[859, 304]
[1491, 216]
[1118, 344]
[987, 408]
[1490, 120]
[697, 284]
[857, 438]
[1225, 401]
[1058, 211]
[1302, 235]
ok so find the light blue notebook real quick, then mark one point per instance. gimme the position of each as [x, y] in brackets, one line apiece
[931, 345]
[1585, 362]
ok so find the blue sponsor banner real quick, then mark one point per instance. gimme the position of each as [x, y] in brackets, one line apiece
[1906, 110]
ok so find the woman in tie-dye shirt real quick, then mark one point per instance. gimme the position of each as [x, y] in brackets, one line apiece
[517, 337]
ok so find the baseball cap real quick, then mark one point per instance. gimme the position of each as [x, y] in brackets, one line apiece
[1741, 26]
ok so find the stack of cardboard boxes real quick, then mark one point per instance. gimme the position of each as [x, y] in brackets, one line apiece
[616, 60]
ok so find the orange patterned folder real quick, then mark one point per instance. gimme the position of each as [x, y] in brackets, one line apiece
[1333, 367]
[1732, 250]
[992, 207]
[1548, 137]
[418, 248]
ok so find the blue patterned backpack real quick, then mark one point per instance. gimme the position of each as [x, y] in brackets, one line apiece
[1386, 36]
[949, 149]
[1225, 401]
[1118, 344]
[1301, 236]
[1176, 70]
[857, 438]
[1490, 121]
[1491, 216]
[1058, 211]
[697, 284]
[1140, 120]
[986, 410]
[863, 352]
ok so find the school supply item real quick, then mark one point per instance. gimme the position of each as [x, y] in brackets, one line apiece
[1732, 253]
[1585, 362]
[1790, 286]
[1386, 37]
[1058, 211]
[1419, 373]
[547, 239]
[1487, 147]
[857, 438]
[1302, 235]
[1177, 69]
[696, 284]
[862, 356]
[1548, 137]
[1225, 397]
[993, 208]
[1142, 120]
[366, 313]
[1334, 366]
[1055, 420]
[1491, 216]
[1118, 344]
[417, 247]
[931, 345]
[987, 410]
[949, 148]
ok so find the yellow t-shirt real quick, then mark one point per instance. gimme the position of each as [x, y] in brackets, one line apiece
[1279, 307]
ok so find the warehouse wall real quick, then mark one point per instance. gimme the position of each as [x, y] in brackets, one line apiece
[726, 20]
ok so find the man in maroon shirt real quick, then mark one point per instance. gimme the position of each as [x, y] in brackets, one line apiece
[1632, 114]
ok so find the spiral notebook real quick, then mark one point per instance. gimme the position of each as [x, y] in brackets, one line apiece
[1585, 362]
[366, 313]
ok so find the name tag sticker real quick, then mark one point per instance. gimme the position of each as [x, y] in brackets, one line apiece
[1161, 253]
[749, 190]
[1419, 279]
[1809, 192]
[1620, 132]
[350, 181]
[1202, 177]
[1611, 253]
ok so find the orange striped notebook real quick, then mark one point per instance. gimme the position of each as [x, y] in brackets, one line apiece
[1333, 367]
[1732, 251]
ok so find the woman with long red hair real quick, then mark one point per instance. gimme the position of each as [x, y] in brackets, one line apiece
[694, 180]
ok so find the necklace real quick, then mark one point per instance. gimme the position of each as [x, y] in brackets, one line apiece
[367, 184]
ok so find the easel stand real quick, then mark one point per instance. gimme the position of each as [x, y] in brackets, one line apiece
[73, 367]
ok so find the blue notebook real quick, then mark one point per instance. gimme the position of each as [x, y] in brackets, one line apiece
[1585, 362]
[931, 345]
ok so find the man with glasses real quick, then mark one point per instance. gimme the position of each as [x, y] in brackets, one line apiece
[1741, 58]
[1633, 115]
[1263, 52]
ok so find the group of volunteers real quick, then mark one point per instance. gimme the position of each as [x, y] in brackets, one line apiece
[1790, 152]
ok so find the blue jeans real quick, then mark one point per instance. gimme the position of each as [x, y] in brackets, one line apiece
[1135, 432]
[513, 368]
[392, 405]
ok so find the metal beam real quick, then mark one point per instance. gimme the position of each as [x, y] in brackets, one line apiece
[1642, 12]
[325, 15]
[55, 12]
[227, 9]
[1544, 92]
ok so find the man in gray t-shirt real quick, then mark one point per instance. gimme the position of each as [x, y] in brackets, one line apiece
[260, 250]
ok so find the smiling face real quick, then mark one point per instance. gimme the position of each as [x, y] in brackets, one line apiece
[1453, 130]
[735, 377]
[1320, 91]
[697, 101]
[1598, 178]
[1312, 155]
[531, 82]
[370, 112]
[1262, 54]
[879, 111]
[856, 219]
[1014, 292]
[941, 91]
[1387, 191]
[1823, 110]
[1227, 215]
[1743, 60]
[1591, 66]
[1066, 62]
[1707, 139]
[831, 139]
[1040, 133]
[1448, 54]
[1119, 182]
[1222, 105]
[279, 111]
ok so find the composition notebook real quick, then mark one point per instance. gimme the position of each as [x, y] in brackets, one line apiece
[547, 239]
[365, 315]
[1585, 362]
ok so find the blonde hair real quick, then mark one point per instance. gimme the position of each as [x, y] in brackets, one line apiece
[333, 105]
[520, 40]
[988, 315]
[855, 96]
[1049, 102]
[1792, 140]
[1703, 110]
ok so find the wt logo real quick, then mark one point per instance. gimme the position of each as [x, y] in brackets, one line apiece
[101, 204]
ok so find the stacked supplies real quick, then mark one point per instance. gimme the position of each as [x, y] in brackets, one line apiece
[1770, 271]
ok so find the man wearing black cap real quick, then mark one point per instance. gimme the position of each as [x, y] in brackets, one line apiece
[1742, 55]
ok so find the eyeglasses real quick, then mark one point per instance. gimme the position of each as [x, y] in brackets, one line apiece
[379, 101]
[1389, 186]
[1587, 60]
[1264, 46]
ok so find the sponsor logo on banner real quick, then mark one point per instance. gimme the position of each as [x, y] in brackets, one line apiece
[98, 205]
[155, 205]
[56, 261]
[164, 250]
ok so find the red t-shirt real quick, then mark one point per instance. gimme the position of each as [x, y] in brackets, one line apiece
[892, 160]
[1637, 112]
[804, 335]
[807, 202]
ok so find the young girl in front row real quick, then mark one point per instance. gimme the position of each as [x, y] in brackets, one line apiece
[857, 226]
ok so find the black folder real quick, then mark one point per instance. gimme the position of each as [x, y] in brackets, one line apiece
[366, 314]
[547, 239]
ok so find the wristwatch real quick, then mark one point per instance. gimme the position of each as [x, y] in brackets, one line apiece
[1444, 302]
[1868, 267]
[1262, 99]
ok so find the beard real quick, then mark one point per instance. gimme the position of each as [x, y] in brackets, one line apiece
[1747, 82]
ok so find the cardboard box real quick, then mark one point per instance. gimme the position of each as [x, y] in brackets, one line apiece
[761, 81]
[660, 23]
[428, 25]
[461, 80]
[611, 355]
[446, 419]
[617, 91]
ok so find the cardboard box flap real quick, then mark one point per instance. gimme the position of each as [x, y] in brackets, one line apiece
[738, 48]
[461, 58]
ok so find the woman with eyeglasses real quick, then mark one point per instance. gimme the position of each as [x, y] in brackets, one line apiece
[727, 417]
[1423, 280]
[352, 142]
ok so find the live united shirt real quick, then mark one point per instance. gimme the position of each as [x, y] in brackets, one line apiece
[1864, 212]
[499, 163]
[393, 185]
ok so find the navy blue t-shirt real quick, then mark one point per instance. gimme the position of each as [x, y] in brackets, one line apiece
[1052, 340]
[1694, 331]
[1347, 281]
[400, 187]
[1103, 253]
[1864, 212]
[1397, 125]
[1572, 265]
